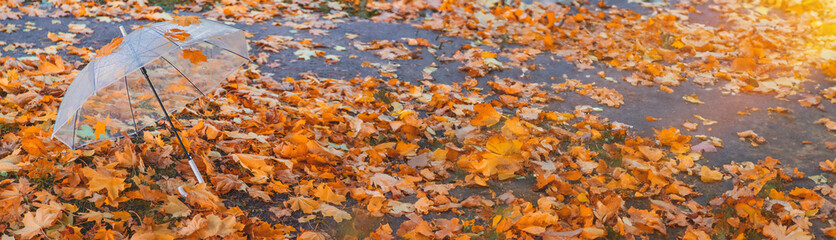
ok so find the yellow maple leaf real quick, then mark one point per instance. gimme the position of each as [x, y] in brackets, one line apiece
[102, 178]
[486, 115]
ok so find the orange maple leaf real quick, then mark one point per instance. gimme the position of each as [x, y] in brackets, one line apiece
[195, 56]
[326, 194]
[503, 157]
[102, 178]
[108, 48]
[185, 20]
[486, 115]
[99, 129]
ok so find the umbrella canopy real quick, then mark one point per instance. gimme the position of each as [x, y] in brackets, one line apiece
[112, 95]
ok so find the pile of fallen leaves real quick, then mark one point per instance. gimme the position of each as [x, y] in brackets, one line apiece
[317, 150]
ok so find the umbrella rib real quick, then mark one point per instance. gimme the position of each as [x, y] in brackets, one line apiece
[75, 125]
[216, 45]
[130, 104]
[166, 38]
[227, 49]
[94, 77]
[184, 75]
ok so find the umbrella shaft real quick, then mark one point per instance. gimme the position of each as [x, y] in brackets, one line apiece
[170, 123]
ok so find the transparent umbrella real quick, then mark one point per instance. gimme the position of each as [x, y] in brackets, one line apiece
[155, 71]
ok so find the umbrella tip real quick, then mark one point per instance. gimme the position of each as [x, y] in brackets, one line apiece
[122, 29]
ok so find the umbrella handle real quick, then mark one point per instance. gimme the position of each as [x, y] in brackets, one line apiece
[174, 129]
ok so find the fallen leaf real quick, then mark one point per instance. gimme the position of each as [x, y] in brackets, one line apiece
[108, 48]
[693, 99]
[710, 176]
[195, 56]
[486, 115]
[185, 21]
